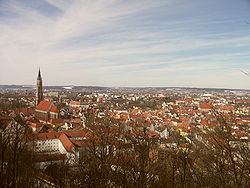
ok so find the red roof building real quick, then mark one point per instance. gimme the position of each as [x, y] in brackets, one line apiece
[46, 110]
[35, 126]
[206, 106]
[68, 145]
[75, 104]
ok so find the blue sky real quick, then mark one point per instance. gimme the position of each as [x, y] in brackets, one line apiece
[191, 43]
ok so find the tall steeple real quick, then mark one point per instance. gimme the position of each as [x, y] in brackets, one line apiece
[39, 88]
[39, 77]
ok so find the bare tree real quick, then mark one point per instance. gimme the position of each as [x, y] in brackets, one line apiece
[17, 158]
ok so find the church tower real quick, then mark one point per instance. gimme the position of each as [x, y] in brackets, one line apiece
[39, 88]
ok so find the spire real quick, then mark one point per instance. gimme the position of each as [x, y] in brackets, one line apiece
[39, 77]
[39, 88]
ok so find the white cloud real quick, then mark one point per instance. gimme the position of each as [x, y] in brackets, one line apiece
[92, 37]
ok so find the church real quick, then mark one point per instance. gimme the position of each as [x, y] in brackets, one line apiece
[45, 110]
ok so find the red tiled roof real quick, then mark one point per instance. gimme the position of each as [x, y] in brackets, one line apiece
[47, 106]
[56, 135]
[54, 109]
[168, 121]
[74, 103]
[5, 118]
[44, 105]
[240, 134]
[136, 111]
[151, 133]
[184, 124]
[225, 107]
[76, 126]
[44, 136]
[56, 121]
[77, 134]
[206, 106]
[81, 143]
[125, 117]
[204, 122]
[68, 145]
[26, 110]
[35, 125]
[76, 120]
[243, 101]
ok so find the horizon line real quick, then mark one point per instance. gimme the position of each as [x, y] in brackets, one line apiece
[186, 87]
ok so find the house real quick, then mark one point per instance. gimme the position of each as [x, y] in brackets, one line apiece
[35, 126]
[75, 104]
[206, 107]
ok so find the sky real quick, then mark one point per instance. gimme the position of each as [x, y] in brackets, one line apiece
[132, 43]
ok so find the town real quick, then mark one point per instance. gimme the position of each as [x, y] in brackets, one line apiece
[109, 137]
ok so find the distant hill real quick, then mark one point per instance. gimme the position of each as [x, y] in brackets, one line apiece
[15, 86]
[114, 88]
[53, 87]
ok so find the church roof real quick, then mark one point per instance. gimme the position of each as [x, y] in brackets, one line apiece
[47, 106]
[54, 109]
[44, 105]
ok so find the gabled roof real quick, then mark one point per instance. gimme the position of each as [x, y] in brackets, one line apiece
[47, 106]
[44, 106]
[68, 145]
[54, 109]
